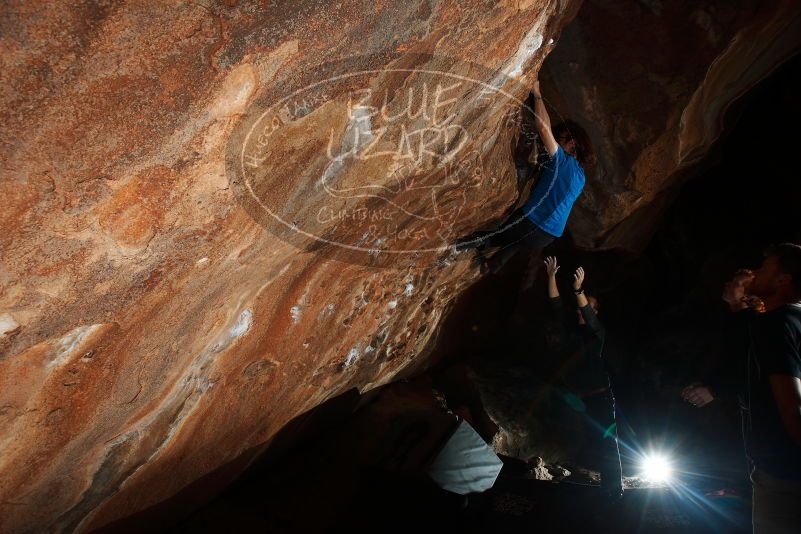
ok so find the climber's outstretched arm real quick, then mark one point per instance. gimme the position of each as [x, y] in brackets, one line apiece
[584, 304]
[542, 121]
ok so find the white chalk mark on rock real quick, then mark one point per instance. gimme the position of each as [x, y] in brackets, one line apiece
[237, 330]
[70, 342]
[7, 324]
[353, 355]
[530, 44]
[242, 324]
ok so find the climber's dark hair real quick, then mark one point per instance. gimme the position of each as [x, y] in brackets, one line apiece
[789, 257]
[584, 152]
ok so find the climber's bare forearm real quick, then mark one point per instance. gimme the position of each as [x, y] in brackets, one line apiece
[553, 290]
[552, 267]
[543, 122]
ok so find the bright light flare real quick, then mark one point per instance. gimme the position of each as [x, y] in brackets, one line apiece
[656, 468]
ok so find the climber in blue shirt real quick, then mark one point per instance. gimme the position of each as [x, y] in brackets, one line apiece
[543, 217]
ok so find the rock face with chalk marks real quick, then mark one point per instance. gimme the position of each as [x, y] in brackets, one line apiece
[153, 334]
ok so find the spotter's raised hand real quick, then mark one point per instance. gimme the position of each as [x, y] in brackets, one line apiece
[578, 278]
[551, 266]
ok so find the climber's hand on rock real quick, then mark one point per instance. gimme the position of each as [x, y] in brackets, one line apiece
[551, 266]
[697, 395]
[578, 278]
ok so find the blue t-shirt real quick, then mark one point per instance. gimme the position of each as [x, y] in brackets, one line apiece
[560, 184]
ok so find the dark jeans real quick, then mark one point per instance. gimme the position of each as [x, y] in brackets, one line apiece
[776, 503]
[522, 234]
[603, 431]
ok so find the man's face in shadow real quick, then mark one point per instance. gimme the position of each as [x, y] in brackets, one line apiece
[567, 143]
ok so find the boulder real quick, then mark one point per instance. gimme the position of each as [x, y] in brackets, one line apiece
[157, 327]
